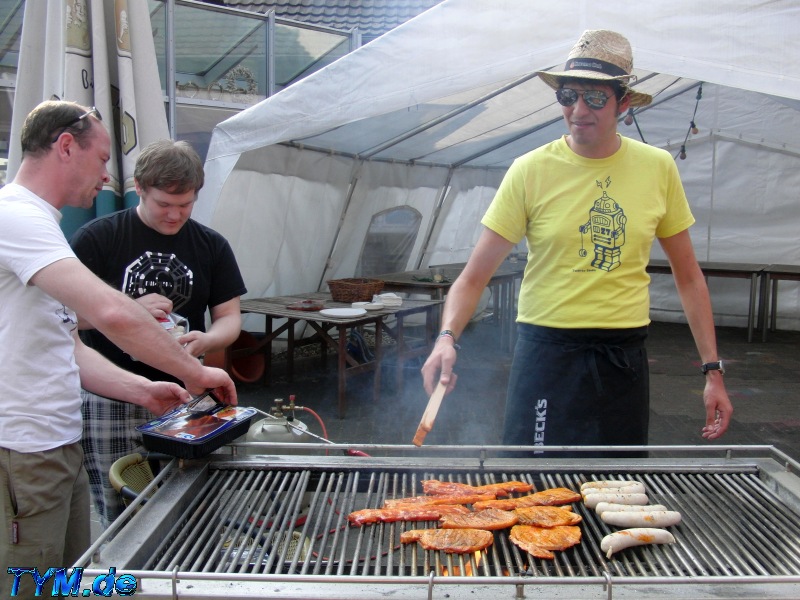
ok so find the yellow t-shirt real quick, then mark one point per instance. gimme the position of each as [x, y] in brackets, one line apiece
[589, 224]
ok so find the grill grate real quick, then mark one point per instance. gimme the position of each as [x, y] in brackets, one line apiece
[294, 522]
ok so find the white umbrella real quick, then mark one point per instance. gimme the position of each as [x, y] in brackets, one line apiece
[98, 53]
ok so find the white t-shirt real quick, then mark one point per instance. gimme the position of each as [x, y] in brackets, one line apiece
[40, 383]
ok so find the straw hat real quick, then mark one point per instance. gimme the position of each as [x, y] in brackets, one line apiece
[602, 55]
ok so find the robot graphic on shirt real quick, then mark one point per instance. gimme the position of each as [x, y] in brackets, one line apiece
[606, 225]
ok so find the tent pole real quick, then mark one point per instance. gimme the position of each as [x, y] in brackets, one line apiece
[171, 75]
[443, 191]
[351, 188]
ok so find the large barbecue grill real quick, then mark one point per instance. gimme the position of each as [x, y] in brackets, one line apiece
[276, 526]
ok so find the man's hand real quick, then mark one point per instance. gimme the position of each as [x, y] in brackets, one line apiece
[162, 396]
[196, 343]
[157, 305]
[219, 381]
[718, 406]
[439, 367]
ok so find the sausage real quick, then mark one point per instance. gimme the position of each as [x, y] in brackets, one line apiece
[607, 483]
[639, 536]
[592, 500]
[635, 487]
[642, 518]
[604, 506]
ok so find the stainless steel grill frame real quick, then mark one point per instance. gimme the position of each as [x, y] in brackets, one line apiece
[276, 526]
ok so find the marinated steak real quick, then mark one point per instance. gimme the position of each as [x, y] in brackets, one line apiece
[545, 516]
[454, 541]
[427, 512]
[449, 499]
[548, 497]
[448, 488]
[541, 541]
[490, 519]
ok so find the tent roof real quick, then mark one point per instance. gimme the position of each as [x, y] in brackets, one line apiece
[455, 85]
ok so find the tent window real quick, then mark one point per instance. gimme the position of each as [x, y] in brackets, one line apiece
[389, 241]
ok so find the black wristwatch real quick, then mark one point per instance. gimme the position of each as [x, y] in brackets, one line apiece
[713, 366]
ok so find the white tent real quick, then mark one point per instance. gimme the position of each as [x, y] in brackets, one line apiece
[431, 114]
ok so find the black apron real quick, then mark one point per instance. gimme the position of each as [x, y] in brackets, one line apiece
[578, 387]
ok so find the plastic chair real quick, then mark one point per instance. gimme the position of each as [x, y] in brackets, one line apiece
[129, 475]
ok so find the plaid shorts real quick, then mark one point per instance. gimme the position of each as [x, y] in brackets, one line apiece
[109, 433]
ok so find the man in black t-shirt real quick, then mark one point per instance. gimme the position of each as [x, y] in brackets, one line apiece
[170, 264]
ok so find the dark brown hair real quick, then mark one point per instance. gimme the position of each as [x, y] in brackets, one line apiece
[173, 167]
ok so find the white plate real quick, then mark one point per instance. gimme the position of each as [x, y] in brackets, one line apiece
[342, 312]
[373, 306]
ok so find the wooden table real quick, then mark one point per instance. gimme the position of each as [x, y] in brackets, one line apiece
[769, 293]
[277, 308]
[502, 284]
[721, 269]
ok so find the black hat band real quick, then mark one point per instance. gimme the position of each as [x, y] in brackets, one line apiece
[593, 64]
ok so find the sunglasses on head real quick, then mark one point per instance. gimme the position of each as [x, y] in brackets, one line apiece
[75, 121]
[595, 99]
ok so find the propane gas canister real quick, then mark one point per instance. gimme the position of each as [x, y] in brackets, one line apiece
[278, 430]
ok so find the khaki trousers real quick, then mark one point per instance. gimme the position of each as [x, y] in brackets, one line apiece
[44, 500]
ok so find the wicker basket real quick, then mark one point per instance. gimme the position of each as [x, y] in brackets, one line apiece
[354, 290]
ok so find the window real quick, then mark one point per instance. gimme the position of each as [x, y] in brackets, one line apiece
[389, 241]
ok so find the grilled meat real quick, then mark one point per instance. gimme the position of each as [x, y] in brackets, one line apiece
[545, 516]
[427, 512]
[455, 541]
[541, 541]
[548, 497]
[490, 519]
[426, 500]
[449, 488]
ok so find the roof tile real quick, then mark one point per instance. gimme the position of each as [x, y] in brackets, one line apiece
[372, 17]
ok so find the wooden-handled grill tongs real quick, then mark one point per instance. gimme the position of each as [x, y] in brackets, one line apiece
[426, 423]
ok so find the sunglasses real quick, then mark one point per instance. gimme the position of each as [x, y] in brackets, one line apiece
[593, 98]
[75, 121]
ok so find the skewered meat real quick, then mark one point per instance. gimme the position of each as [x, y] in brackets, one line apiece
[541, 541]
[449, 488]
[427, 512]
[548, 497]
[433, 500]
[546, 516]
[455, 541]
[490, 519]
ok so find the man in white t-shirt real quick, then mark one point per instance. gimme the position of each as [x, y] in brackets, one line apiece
[44, 494]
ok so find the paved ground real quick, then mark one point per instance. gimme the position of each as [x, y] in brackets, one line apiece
[763, 380]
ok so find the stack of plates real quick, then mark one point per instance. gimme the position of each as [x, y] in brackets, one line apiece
[389, 300]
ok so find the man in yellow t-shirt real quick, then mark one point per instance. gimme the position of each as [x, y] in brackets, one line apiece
[589, 206]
